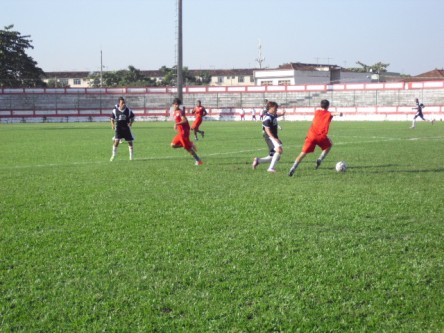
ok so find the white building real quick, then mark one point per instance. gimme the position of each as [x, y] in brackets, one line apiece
[297, 73]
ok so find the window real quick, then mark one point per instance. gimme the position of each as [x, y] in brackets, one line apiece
[220, 79]
[267, 83]
[241, 79]
[77, 82]
[284, 82]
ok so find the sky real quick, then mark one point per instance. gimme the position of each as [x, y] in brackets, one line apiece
[82, 35]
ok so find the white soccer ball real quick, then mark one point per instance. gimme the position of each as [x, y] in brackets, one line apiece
[341, 166]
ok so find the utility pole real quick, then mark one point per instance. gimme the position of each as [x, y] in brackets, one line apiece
[261, 58]
[101, 70]
[179, 82]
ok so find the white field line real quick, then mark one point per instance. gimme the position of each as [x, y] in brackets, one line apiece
[374, 139]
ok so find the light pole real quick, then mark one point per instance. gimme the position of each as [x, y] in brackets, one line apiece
[101, 70]
[179, 51]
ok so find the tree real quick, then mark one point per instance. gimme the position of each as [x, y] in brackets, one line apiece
[54, 83]
[17, 69]
[169, 76]
[204, 78]
[131, 77]
[379, 67]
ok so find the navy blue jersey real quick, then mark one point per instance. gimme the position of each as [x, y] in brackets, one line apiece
[122, 118]
[271, 121]
[419, 107]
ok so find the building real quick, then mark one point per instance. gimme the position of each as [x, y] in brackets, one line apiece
[296, 73]
[68, 79]
[232, 77]
[286, 74]
[433, 75]
[219, 77]
[299, 73]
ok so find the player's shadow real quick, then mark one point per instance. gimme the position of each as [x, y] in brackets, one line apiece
[381, 166]
[393, 168]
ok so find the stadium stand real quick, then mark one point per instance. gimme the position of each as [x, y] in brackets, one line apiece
[359, 101]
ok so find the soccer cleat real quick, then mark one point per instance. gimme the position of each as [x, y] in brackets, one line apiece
[318, 163]
[291, 172]
[198, 163]
[255, 163]
[202, 133]
[271, 170]
[195, 138]
[112, 158]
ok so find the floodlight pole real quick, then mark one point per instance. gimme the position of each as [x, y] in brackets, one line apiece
[101, 70]
[179, 51]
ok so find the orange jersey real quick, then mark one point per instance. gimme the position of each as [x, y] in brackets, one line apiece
[199, 112]
[183, 129]
[182, 137]
[321, 124]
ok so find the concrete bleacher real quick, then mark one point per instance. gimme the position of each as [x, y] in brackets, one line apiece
[96, 104]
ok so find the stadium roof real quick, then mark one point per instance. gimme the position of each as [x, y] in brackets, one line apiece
[306, 67]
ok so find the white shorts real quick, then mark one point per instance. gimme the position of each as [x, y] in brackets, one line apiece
[273, 145]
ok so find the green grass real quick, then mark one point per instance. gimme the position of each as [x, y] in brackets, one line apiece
[160, 245]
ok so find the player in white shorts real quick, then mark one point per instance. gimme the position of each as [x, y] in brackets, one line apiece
[270, 132]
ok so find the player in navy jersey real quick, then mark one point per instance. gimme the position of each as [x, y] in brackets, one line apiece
[418, 108]
[270, 132]
[122, 119]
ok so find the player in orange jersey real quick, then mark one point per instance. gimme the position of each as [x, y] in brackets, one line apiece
[317, 135]
[182, 126]
[200, 112]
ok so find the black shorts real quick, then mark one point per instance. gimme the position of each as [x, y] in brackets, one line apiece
[420, 115]
[124, 133]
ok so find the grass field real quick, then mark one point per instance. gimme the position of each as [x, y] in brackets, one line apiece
[160, 245]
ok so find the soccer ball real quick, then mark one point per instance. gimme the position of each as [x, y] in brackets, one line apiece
[341, 166]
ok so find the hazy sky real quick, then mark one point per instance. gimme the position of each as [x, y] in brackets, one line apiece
[69, 35]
